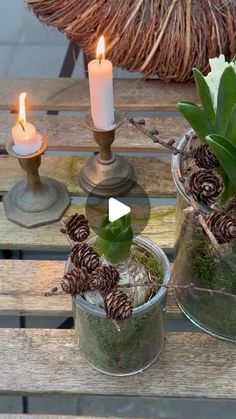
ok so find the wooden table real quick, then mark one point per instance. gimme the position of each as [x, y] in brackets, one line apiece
[192, 366]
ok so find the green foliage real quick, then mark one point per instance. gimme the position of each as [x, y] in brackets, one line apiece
[218, 128]
[204, 94]
[197, 118]
[231, 128]
[115, 239]
[225, 152]
[226, 100]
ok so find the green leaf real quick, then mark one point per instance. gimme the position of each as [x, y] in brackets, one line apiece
[229, 191]
[231, 127]
[197, 118]
[222, 148]
[226, 99]
[204, 94]
[115, 239]
[224, 142]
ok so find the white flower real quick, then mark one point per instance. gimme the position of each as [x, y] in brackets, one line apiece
[218, 65]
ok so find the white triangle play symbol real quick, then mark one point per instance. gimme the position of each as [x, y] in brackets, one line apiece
[116, 209]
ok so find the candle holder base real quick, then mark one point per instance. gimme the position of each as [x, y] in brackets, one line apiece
[106, 174]
[34, 210]
[105, 180]
[38, 200]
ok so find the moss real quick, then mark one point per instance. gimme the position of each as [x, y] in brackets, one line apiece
[151, 263]
[208, 273]
[132, 348]
[194, 263]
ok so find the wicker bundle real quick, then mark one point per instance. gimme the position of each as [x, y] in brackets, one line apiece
[163, 37]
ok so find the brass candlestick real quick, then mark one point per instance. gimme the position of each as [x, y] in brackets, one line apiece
[106, 174]
[35, 201]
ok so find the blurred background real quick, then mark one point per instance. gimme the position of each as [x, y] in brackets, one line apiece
[30, 49]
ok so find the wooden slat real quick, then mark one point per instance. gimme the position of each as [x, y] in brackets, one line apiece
[68, 133]
[20, 416]
[22, 294]
[49, 362]
[67, 169]
[160, 228]
[73, 94]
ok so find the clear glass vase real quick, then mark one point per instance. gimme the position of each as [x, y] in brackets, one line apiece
[195, 263]
[128, 347]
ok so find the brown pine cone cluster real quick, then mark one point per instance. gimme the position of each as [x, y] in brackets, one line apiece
[205, 186]
[85, 256]
[222, 226]
[76, 226]
[104, 278]
[88, 275]
[204, 158]
[75, 282]
[118, 305]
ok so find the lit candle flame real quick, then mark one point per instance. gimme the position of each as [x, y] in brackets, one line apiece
[22, 116]
[101, 48]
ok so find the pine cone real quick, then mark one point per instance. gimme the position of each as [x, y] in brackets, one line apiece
[204, 158]
[104, 278]
[76, 226]
[118, 305]
[205, 186]
[75, 282]
[222, 226]
[85, 256]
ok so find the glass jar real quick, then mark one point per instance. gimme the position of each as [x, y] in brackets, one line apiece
[195, 263]
[128, 347]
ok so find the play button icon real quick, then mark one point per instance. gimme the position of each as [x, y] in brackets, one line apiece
[135, 202]
[116, 209]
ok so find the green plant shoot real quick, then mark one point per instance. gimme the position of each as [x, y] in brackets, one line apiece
[214, 121]
[115, 239]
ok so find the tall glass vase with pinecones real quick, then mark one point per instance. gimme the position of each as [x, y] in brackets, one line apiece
[119, 288]
[204, 171]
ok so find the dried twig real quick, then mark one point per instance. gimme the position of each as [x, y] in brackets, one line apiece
[201, 220]
[153, 284]
[185, 287]
[54, 291]
[154, 137]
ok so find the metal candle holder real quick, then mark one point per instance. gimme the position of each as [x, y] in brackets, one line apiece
[35, 201]
[106, 174]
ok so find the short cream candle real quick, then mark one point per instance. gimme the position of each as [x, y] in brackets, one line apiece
[26, 139]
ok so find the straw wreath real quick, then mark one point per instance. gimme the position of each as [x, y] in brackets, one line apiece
[156, 37]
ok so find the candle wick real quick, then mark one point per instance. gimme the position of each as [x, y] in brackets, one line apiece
[100, 60]
[22, 126]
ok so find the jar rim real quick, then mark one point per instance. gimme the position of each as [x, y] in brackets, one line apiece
[161, 293]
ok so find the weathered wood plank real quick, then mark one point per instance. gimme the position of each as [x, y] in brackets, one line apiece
[49, 362]
[28, 416]
[20, 416]
[160, 228]
[22, 294]
[68, 133]
[73, 94]
[66, 170]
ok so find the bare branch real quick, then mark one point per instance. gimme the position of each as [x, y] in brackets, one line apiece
[185, 287]
[153, 135]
